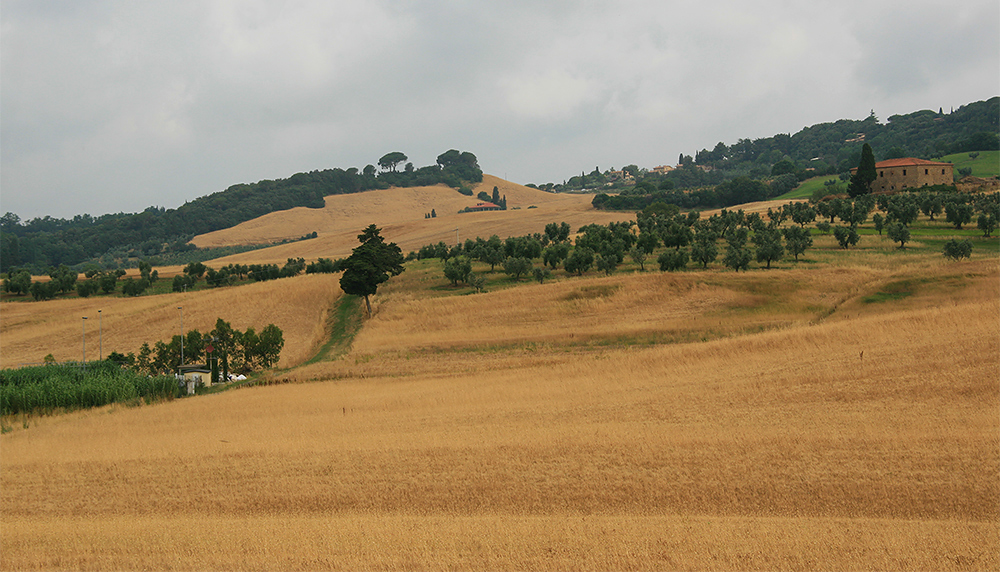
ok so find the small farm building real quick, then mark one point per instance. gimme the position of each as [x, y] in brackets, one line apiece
[899, 174]
[197, 373]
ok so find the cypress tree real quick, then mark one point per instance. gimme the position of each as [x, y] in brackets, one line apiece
[862, 179]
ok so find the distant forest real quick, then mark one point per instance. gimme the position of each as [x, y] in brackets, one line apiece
[41, 243]
[822, 149]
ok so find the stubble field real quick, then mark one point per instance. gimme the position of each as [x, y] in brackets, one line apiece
[778, 420]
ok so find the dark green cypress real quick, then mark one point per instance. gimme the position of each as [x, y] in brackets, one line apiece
[862, 179]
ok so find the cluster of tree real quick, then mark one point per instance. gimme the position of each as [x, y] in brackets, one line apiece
[236, 351]
[324, 266]
[679, 232]
[43, 242]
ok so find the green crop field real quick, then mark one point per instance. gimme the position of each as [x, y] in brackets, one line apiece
[807, 188]
[67, 387]
[985, 165]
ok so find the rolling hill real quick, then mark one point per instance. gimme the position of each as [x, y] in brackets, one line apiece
[400, 212]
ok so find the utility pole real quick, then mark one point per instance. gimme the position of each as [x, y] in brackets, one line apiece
[100, 328]
[181, 308]
[83, 324]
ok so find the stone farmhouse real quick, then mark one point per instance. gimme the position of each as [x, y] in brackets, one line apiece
[899, 174]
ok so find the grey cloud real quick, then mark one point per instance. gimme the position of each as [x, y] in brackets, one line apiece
[112, 106]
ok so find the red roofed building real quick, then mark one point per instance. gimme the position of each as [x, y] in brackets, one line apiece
[484, 207]
[899, 174]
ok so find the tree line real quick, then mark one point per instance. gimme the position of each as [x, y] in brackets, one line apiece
[63, 280]
[737, 191]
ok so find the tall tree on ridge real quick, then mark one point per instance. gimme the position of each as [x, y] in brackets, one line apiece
[370, 264]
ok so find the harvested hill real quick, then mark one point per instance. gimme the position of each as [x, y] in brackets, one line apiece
[400, 212]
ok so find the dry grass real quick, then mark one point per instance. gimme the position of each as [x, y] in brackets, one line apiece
[299, 306]
[393, 542]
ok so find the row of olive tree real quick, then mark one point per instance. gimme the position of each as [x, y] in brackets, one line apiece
[686, 238]
[62, 280]
[234, 273]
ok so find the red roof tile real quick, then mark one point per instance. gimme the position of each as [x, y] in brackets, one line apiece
[904, 162]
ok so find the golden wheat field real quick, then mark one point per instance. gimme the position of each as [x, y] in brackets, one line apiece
[770, 420]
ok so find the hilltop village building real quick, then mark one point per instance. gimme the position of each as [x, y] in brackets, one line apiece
[899, 174]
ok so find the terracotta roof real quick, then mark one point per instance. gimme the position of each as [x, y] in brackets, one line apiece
[905, 162]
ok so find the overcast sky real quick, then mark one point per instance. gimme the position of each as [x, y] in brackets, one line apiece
[109, 106]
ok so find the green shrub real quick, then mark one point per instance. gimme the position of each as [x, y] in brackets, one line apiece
[671, 260]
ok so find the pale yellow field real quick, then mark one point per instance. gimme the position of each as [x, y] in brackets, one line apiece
[769, 420]
[400, 215]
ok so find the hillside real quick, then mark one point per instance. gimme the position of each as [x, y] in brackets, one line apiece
[400, 213]
[120, 238]
[30, 331]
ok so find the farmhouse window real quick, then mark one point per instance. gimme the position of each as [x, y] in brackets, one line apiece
[881, 173]
[926, 171]
[942, 171]
[904, 172]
